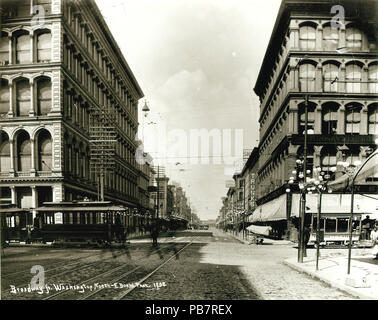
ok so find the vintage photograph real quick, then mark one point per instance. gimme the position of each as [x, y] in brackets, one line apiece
[189, 150]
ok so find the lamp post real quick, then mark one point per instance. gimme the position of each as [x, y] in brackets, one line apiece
[352, 207]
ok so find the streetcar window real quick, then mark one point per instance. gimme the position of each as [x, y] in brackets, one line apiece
[330, 225]
[315, 224]
[11, 223]
[71, 219]
[342, 224]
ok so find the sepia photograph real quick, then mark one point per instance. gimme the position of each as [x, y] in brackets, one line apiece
[197, 156]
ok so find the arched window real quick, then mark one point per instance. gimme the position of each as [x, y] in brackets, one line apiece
[307, 77]
[44, 151]
[5, 160]
[329, 118]
[43, 96]
[23, 48]
[331, 73]
[330, 38]
[373, 78]
[352, 119]
[373, 119]
[44, 47]
[328, 160]
[4, 97]
[353, 78]
[4, 49]
[22, 97]
[307, 36]
[302, 118]
[23, 152]
[353, 38]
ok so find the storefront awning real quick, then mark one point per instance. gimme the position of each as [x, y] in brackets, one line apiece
[273, 210]
[262, 230]
[337, 203]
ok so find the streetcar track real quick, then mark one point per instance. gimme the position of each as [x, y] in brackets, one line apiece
[125, 293]
[101, 275]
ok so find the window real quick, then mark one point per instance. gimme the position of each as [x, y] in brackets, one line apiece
[328, 160]
[352, 120]
[4, 49]
[43, 96]
[4, 97]
[342, 224]
[44, 47]
[4, 153]
[23, 152]
[22, 98]
[330, 225]
[307, 37]
[45, 3]
[352, 155]
[373, 119]
[331, 73]
[329, 119]
[353, 78]
[353, 38]
[373, 78]
[307, 77]
[302, 118]
[330, 38]
[44, 151]
[23, 48]
[23, 7]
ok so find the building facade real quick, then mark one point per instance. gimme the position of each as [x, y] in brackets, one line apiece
[59, 73]
[330, 69]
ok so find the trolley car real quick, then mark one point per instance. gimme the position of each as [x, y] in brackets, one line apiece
[83, 222]
[15, 223]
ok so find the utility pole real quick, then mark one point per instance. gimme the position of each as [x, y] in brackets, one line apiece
[301, 245]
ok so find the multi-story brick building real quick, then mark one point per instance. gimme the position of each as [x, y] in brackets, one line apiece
[332, 70]
[57, 73]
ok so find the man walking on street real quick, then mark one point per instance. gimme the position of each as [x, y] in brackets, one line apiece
[154, 235]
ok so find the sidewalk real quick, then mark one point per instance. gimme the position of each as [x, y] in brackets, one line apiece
[266, 240]
[362, 281]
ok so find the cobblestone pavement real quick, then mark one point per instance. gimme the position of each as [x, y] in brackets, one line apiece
[215, 266]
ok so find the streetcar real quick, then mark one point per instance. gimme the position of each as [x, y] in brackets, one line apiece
[15, 224]
[334, 229]
[85, 222]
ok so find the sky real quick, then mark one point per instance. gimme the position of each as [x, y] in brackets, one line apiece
[197, 62]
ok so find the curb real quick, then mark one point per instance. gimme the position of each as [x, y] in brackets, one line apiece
[333, 284]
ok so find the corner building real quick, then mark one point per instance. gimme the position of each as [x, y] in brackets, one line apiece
[55, 72]
[336, 70]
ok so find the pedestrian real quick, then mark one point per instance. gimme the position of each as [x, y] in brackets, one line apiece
[374, 238]
[154, 235]
[366, 228]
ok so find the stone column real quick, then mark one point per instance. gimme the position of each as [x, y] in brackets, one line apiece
[12, 157]
[319, 78]
[31, 47]
[34, 196]
[32, 109]
[34, 201]
[13, 195]
[10, 50]
[32, 167]
[341, 85]
[11, 99]
[293, 117]
[342, 36]
[318, 119]
[319, 38]
[364, 120]
[341, 120]
[364, 76]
